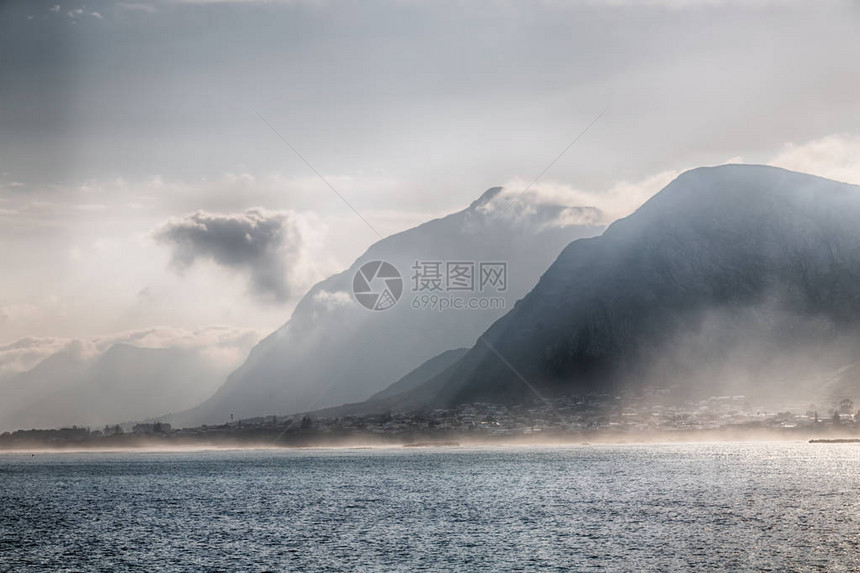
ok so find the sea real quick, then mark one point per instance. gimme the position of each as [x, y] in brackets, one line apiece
[769, 506]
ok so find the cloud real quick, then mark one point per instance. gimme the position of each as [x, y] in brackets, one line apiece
[222, 346]
[103, 231]
[24, 353]
[583, 206]
[17, 312]
[332, 300]
[170, 337]
[532, 212]
[267, 245]
[836, 157]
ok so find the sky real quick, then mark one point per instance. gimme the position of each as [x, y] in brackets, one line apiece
[150, 175]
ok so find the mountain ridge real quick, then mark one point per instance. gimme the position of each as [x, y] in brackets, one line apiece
[722, 258]
[321, 356]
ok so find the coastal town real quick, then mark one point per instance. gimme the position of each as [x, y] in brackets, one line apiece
[592, 417]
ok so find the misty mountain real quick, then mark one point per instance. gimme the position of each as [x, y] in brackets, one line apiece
[333, 350]
[61, 370]
[424, 372]
[123, 383]
[390, 397]
[735, 278]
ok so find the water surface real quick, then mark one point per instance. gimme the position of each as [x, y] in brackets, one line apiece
[770, 506]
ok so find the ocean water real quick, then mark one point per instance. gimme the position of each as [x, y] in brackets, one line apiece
[734, 507]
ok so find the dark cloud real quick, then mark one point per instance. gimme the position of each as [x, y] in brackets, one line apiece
[263, 244]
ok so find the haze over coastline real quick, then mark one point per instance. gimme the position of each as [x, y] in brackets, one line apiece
[386, 285]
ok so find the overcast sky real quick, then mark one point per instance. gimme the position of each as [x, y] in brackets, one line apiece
[132, 154]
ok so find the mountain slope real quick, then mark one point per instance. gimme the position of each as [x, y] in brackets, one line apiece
[732, 277]
[334, 351]
[64, 369]
[422, 374]
[390, 397]
[124, 383]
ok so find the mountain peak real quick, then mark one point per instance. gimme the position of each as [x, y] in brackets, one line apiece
[330, 354]
[760, 177]
[734, 279]
[485, 197]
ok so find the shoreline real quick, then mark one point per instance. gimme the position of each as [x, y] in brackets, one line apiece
[169, 444]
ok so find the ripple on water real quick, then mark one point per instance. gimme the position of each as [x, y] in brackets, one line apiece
[656, 507]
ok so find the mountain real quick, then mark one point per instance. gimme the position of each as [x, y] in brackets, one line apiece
[390, 397]
[61, 370]
[123, 383]
[426, 371]
[333, 350]
[737, 278]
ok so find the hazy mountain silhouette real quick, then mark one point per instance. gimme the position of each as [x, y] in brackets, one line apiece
[391, 396]
[123, 383]
[422, 374]
[334, 351]
[732, 278]
[64, 369]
